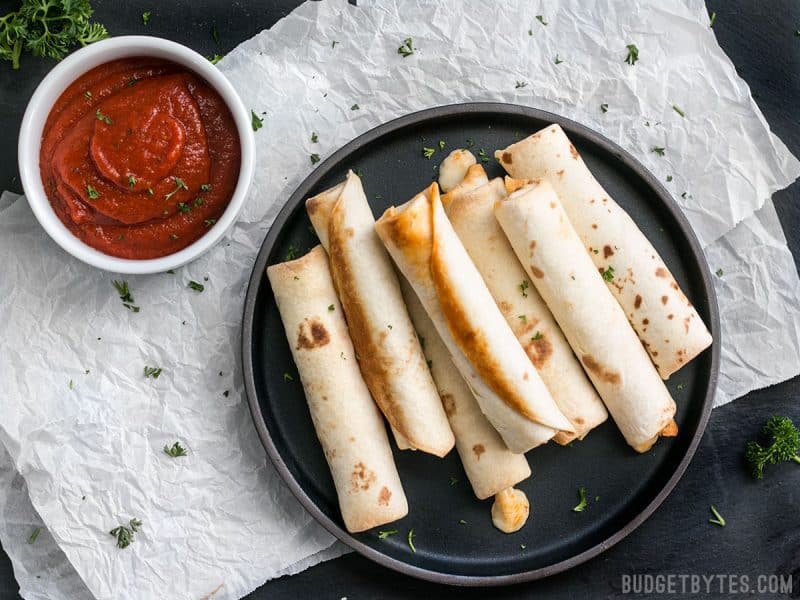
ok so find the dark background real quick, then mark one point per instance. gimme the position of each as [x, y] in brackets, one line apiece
[763, 531]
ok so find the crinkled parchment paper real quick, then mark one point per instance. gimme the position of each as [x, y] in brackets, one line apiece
[90, 451]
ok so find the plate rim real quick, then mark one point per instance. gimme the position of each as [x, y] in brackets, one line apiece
[259, 272]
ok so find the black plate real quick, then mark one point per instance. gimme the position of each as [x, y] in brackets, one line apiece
[623, 488]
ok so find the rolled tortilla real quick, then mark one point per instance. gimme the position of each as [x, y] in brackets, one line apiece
[471, 211]
[454, 168]
[490, 466]
[592, 321]
[510, 393]
[348, 424]
[664, 319]
[389, 353]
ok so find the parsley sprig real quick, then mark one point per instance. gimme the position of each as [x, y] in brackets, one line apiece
[175, 451]
[125, 295]
[124, 533]
[47, 28]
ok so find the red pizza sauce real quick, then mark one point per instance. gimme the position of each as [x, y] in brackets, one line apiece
[139, 157]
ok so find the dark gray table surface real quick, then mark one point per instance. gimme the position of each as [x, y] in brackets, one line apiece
[762, 536]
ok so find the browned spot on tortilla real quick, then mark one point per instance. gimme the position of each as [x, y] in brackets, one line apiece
[661, 272]
[525, 376]
[505, 306]
[537, 272]
[666, 341]
[645, 321]
[578, 421]
[686, 324]
[472, 341]
[592, 201]
[573, 152]
[478, 449]
[637, 301]
[664, 299]
[311, 333]
[539, 350]
[384, 496]
[607, 251]
[560, 173]
[670, 429]
[507, 157]
[449, 404]
[324, 397]
[361, 478]
[350, 232]
[598, 369]
[674, 285]
[552, 205]
[670, 316]
[532, 245]
[594, 225]
[655, 353]
[352, 439]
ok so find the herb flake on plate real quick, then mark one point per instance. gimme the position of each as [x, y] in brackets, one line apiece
[125, 533]
[175, 451]
[582, 504]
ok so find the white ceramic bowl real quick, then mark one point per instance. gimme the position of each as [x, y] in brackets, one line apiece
[53, 86]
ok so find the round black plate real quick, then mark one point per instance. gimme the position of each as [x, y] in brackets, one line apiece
[453, 534]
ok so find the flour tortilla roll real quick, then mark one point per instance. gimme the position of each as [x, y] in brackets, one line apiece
[348, 424]
[592, 321]
[510, 393]
[472, 214]
[454, 168]
[664, 319]
[389, 353]
[490, 466]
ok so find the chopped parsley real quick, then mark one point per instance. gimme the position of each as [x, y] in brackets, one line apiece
[523, 287]
[314, 158]
[712, 19]
[428, 152]
[152, 372]
[215, 34]
[87, 94]
[333, 44]
[215, 58]
[256, 122]
[520, 84]
[557, 60]
[101, 117]
[183, 207]
[669, 178]
[287, 377]
[718, 518]
[462, 522]
[678, 110]
[483, 156]
[582, 504]
[633, 54]
[608, 274]
[355, 107]
[145, 17]
[179, 185]
[124, 533]
[197, 287]
[314, 137]
[411, 540]
[125, 295]
[719, 272]
[523, 318]
[331, 307]
[175, 450]
[92, 193]
[34, 535]
[198, 202]
[209, 222]
[131, 181]
[150, 191]
[206, 187]
[658, 150]
[541, 20]
[291, 253]
[382, 535]
[604, 107]
[537, 336]
[71, 384]
[407, 49]
[441, 144]
[453, 480]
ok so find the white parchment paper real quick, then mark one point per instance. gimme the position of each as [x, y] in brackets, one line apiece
[90, 452]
